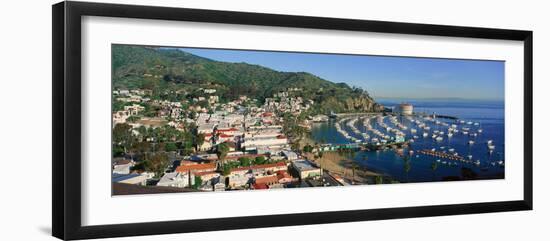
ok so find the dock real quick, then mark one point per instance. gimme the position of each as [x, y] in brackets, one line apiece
[442, 155]
[437, 115]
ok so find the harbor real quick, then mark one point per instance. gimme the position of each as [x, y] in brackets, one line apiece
[437, 146]
[225, 126]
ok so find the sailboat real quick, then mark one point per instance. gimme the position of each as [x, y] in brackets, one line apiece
[479, 129]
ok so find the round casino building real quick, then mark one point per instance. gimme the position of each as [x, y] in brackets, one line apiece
[405, 109]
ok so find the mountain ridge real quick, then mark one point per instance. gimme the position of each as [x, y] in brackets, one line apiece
[164, 69]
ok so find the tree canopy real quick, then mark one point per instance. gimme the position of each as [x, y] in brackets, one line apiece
[162, 69]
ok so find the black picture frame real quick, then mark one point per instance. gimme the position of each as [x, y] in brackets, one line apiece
[66, 184]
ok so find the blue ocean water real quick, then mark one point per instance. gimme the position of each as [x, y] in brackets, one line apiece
[489, 115]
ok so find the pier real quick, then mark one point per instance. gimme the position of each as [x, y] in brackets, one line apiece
[341, 115]
[446, 117]
[436, 115]
[361, 146]
[442, 155]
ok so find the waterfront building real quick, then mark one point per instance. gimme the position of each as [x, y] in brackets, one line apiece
[306, 169]
[284, 177]
[405, 109]
[290, 155]
[320, 118]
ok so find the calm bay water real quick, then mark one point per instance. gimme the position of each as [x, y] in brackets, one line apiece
[490, 115]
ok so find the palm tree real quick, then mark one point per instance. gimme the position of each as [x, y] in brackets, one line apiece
[221, 150]
[434, 167]
[379, 179]
[406, 166]
[353, 153]
[353, 166]
[199, 140]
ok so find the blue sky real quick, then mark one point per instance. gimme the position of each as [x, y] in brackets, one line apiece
[393, 77]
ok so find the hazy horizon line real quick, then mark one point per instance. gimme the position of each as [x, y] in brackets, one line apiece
[436, 98]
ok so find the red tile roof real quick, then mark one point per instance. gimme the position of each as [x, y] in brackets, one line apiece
[228, 129]
[267, 180]
[276, 164]
[262, 166]
[260, 186]
[123, 162]
[198, 167]
[283, 174]
[246, 155]
[187, 163]
[205, 173]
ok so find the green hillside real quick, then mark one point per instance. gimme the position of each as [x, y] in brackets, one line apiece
[172, 70]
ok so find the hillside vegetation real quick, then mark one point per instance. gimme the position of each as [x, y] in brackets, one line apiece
[174, 71]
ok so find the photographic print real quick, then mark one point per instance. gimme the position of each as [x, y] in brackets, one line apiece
[204, 120]
[149, 105]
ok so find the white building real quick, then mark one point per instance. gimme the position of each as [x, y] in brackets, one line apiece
[120, 117]
[176, 179]
[405, 109]
[306, 169]
[134, 178]
[256, 142]
[206, 128]
[290, 155]
[219, 187]
[238, 180]
[209, 91]
[134, 109]
[122, 169]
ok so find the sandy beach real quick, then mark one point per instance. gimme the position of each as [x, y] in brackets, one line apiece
[337, 163]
